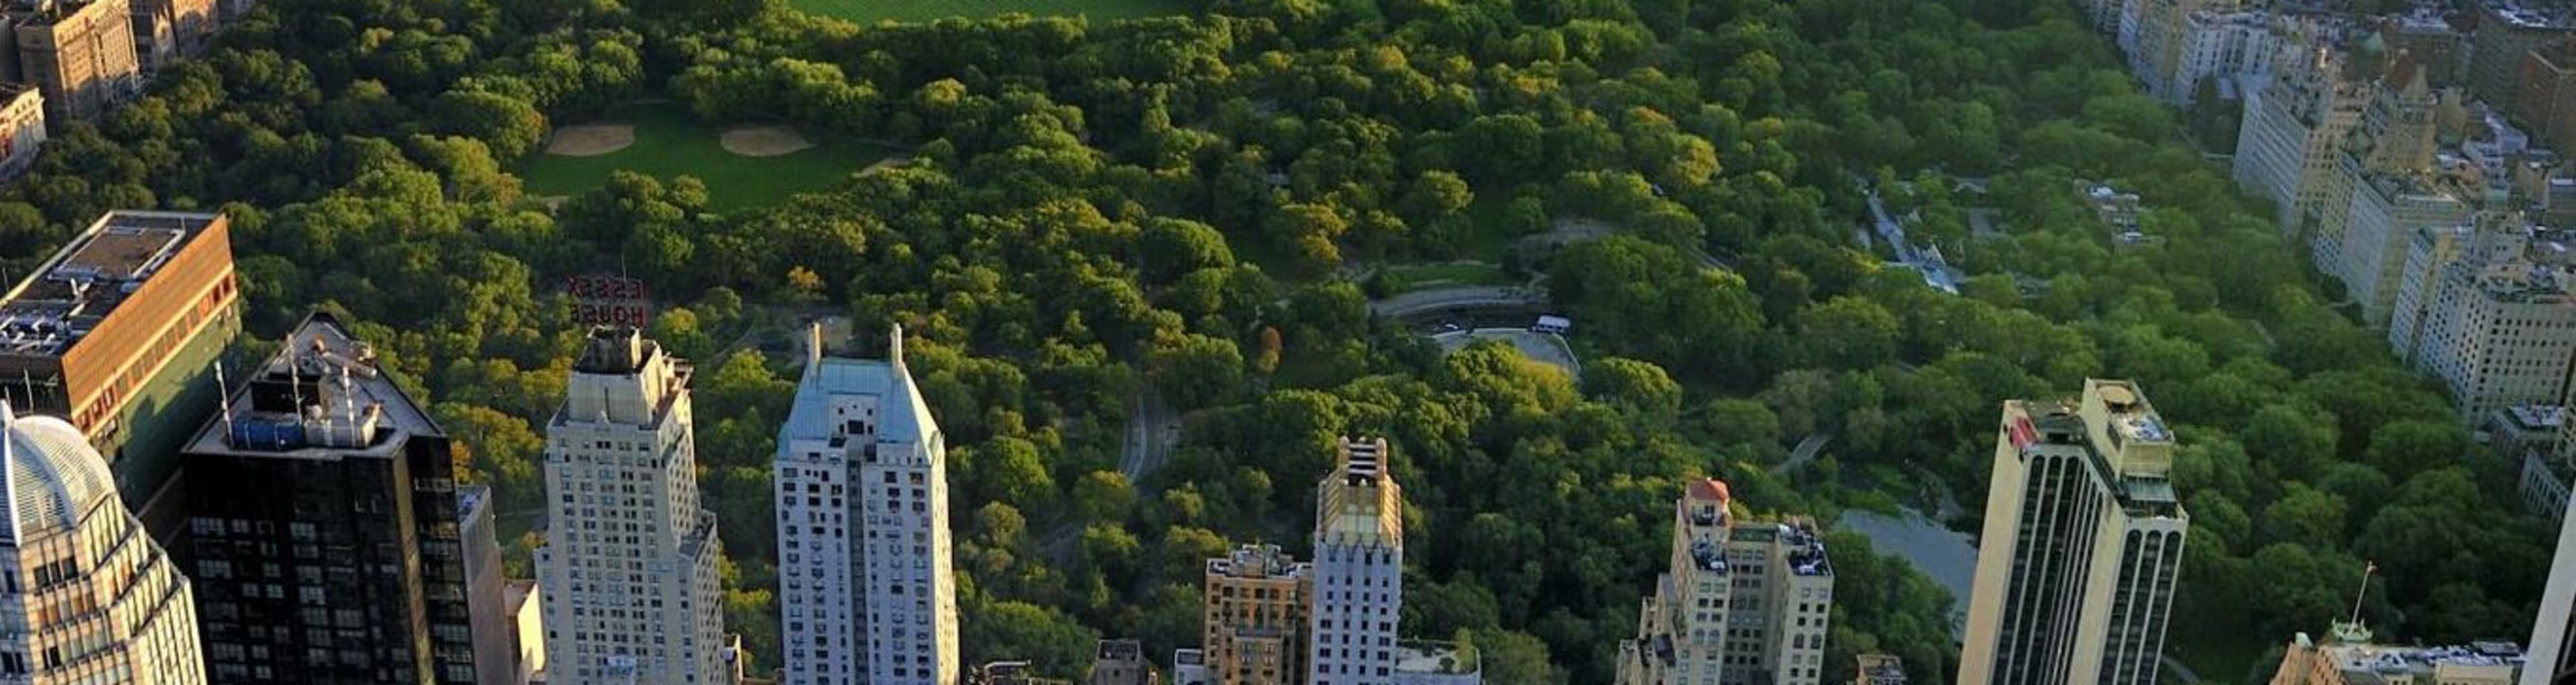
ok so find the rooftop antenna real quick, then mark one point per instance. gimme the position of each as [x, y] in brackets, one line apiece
[348, 404]
[224, 400]
[2367, 569]
[295, 377]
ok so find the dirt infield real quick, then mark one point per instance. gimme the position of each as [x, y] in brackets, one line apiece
[590, 140]
[764, 141]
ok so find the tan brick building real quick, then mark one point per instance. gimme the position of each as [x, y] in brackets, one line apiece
[22, 128]
[81, 56]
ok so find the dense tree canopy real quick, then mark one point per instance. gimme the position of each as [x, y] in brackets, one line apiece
[1094, 213]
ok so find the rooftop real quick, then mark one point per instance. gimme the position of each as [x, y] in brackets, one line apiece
[2423, 661]
[2530, 16]
[470, 499]
[902, 415]
[1256, 561]
[1806, 546]
[85, 281]
[1880, 669]
[1121, 650]
[2538, 417]
[321, 397]
[54, 477]
[2522, 281]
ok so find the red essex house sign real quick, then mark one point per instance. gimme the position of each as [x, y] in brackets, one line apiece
[602, 300]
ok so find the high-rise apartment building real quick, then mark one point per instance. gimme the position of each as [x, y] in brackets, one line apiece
[1256, 621]
[357, 573]
[2547, 101]
[866, 589]
[1358, 569]
[2383, 193]
[629, 563]
[2102, 15]
[92, 600]
[1744, 601]
[2368, 251]
[165, 30]
[2237, 46]
[2507, 30]
[2082, 545]
[2553, 637]
[22, 128]
[2350, 658]
[2289, 143]
[2423, 31]
[81, 54]
[2431, 250]
[118, 332]
[2498, 328]
[2178, 42]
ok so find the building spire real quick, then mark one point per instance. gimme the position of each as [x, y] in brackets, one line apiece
[894, 346]
[813, 347]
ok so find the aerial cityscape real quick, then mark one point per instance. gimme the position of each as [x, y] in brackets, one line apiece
[1288, 342]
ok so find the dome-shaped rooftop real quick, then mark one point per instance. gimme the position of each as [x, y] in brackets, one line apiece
[53, 475]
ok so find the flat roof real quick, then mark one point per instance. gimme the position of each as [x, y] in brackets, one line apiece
[89, 278]
[348, 407]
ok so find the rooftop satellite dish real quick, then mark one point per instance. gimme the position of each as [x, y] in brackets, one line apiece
[2118, 396]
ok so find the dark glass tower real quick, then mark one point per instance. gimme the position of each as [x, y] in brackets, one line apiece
[324, 524]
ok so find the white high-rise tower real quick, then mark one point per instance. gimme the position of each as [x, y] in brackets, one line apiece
[1358, 569]
[90, 598]
[865, 588]
[2553, 639]
[2082, 546]
[629, 565]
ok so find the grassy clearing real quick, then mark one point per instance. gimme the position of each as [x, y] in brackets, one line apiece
[1409, 277]
[669, 142]
[870, 11]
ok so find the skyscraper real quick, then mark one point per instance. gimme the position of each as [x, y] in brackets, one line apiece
[1358, 568]
[1256, 618]
[2496, 323]
[865, 587]
[2083, 540]
[70, 619]
[1745, 601]
[356, 573]
[2553, 638]
[118, 334]
[629, 563]
[486, 589]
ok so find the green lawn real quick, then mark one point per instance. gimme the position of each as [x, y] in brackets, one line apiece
[669, 142]
[869, 11]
